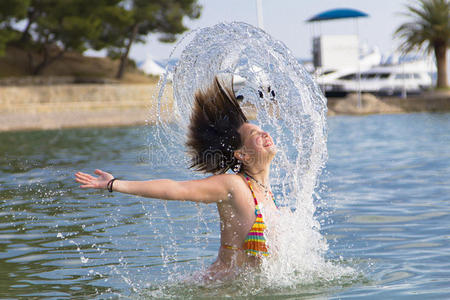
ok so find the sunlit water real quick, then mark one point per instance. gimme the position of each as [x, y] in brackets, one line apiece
[385, 211]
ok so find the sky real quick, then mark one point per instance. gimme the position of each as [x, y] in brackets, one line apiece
[285, 21]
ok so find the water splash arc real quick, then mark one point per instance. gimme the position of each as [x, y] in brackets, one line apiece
[288, 104]
[240, 51]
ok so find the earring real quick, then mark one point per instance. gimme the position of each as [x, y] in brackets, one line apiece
[237, 167]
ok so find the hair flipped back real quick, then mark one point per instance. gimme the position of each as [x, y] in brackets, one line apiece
[213, 130]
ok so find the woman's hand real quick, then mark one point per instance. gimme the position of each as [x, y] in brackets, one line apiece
[89, 181]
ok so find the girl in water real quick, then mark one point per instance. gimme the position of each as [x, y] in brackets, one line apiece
[219, 139]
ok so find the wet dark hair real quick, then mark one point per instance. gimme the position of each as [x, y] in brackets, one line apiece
[213, 130]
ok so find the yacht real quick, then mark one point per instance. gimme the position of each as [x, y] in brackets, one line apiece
[411, 77]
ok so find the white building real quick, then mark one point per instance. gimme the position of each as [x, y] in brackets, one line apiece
[335, 52]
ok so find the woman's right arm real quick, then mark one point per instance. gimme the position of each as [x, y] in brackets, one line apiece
[212, 189]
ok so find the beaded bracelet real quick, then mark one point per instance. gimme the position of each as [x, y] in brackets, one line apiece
[109, 185]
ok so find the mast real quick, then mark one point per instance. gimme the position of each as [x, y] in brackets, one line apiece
[259, 13]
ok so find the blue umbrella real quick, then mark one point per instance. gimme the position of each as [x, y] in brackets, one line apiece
[339, 13]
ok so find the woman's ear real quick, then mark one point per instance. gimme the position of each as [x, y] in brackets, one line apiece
[238, 155]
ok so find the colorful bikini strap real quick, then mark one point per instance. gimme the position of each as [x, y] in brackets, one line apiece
[253, 194]
[247, 178]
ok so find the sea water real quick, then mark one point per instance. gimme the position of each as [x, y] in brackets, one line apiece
[128, 246]
[385, 212]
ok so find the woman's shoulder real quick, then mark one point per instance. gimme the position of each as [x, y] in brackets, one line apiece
[231, 177]
[235, 185]
[230, 180]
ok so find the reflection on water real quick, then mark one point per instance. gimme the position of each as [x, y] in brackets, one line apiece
[388, 215]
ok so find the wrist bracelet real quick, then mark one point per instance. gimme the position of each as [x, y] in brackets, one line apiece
[109, 185]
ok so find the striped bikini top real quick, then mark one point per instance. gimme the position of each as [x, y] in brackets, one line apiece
[255, 243]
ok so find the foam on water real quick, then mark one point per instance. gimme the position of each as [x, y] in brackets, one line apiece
[292, 109]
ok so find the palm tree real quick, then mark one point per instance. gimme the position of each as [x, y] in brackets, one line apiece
[428, 30]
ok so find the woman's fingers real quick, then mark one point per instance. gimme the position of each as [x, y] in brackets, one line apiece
[87, 183]
[100, 172]
[83, 179]
[85, 176]
[84, 182]
[80, 175]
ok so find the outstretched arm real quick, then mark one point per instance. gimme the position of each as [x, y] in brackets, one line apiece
[212, 189]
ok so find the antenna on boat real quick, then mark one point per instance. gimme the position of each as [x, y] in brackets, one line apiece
[259, 14]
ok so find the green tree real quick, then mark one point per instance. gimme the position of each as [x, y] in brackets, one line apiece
[142, 18]
[428, 30]
[11, 11]
[54, 27]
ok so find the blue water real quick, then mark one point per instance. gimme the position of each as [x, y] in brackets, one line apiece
[389, 182]
[385, 211]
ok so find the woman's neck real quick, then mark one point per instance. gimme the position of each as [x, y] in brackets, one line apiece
[259, 174]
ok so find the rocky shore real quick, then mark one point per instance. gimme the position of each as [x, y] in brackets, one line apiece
[95, 105]
[436, 101]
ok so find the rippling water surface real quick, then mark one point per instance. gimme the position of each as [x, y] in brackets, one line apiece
[385, 211]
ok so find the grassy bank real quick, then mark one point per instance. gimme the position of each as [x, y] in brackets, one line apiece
[71, 68]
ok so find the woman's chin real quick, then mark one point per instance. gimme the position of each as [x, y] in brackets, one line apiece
[272, 149]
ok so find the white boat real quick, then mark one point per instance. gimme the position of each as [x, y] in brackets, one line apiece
[394, 79]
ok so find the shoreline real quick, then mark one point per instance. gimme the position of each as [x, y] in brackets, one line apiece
[105, 105]
[74, 106]
[435, 101]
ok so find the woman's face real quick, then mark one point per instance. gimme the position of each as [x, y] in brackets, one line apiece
[257, 144]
